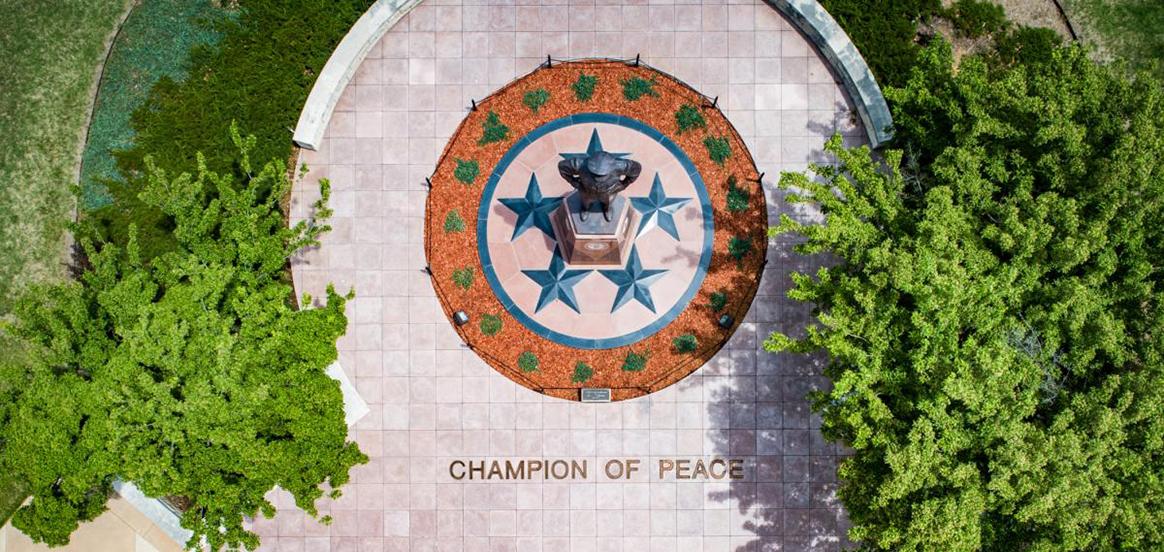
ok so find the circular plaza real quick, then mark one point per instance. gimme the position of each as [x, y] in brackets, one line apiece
[444, 153]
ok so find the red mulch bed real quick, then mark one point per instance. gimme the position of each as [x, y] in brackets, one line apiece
[447, 252]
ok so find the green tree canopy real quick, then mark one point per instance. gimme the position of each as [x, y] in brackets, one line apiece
[192, 375]
[994, 324]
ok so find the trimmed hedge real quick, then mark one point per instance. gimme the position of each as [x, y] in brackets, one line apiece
[259, 75]
[154, 42]
[884, 32]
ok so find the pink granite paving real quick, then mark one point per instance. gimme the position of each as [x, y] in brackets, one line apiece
[434, 401]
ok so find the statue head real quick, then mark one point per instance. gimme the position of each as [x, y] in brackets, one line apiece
[599, 177]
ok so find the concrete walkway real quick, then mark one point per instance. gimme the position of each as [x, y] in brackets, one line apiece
[121, 529]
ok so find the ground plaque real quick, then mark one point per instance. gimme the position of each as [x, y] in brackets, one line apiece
[595, 395]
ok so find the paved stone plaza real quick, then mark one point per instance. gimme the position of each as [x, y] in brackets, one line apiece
[433, 401]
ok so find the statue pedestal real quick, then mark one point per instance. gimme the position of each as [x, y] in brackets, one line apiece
[595, 241]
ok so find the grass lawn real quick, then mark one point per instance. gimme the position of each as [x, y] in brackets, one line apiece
[51, 51]
[153, 43]
[1128, 29]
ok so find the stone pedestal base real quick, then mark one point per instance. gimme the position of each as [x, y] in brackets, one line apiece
[595, 241]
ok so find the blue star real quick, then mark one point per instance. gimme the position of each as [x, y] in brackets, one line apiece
[532, 210]
[633, 281]
[594, 147]
[658, 209]
[557, 283]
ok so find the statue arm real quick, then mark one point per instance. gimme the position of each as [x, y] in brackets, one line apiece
[633, 172]
[629, 176]
[571, 171]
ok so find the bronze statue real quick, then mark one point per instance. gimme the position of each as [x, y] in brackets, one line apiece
[599, 177]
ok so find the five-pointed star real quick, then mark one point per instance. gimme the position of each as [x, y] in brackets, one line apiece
[633, 282]
[658, 209]
[533, 210]
[595, 146]
[557, 283]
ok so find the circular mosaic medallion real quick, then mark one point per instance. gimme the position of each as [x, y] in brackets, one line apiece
[621, 293]
[606, 304]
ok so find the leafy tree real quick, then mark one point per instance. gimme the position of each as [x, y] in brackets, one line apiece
[193, 375]
[995, 323]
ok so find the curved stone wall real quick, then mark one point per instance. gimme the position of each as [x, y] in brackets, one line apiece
[342, 64]
[811, 19]
[807, 15]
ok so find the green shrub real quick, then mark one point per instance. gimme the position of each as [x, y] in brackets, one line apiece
[493, 130]
[582, 373]
[634, 362]
[1024, 45]
[637, 87]
[528, 362]
[454, 223]
[258, 75]
[490, 324]
[146, 371]
[463, 277]
[584, 87]
[975, 18]
[885, 32]
[535, 99]
[719, 300]
[718, 149]
[689, 117]
[467, 171]
[739, 247]
[686, 343]
[737, 198]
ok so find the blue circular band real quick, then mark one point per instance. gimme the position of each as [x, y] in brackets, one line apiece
[606, 342]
